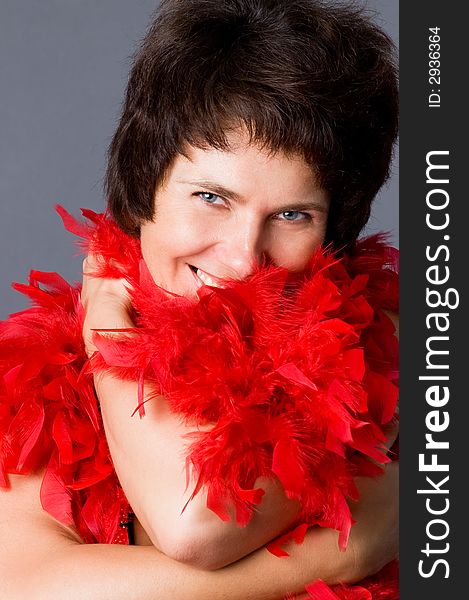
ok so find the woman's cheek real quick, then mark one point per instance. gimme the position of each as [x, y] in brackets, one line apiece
[293, 251]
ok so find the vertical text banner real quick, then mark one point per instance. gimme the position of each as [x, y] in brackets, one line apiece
[434, 202]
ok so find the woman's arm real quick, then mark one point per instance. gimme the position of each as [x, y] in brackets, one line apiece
[149, 458]
[41, 559]
[148, 455]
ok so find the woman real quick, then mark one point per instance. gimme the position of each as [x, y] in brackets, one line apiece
[241, 142]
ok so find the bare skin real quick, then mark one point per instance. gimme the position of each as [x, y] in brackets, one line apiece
[41, 559]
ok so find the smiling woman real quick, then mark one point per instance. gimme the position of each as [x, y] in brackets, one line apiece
[239, 316]
[223, 212]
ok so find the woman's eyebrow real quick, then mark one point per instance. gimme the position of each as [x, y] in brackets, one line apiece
[231, 195]
[300, 206]
[214, 187]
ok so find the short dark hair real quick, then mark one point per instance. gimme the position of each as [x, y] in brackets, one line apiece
[302, 76]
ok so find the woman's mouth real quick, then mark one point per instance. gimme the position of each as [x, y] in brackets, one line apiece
[204, 278]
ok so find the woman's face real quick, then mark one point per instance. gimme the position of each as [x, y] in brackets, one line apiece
[219, 213]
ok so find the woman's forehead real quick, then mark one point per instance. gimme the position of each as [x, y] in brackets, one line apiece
[241, 161]
[249, 174]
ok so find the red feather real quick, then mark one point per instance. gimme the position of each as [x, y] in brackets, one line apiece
[296, 372]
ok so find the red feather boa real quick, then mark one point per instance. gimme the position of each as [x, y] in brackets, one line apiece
[297, 374]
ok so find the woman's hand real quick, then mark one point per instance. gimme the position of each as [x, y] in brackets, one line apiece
[106, 303]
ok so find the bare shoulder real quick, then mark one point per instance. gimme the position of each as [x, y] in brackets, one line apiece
[29, 534]
[20, 507]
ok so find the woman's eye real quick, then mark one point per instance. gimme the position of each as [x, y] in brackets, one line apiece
[210, 198]
[294, 215]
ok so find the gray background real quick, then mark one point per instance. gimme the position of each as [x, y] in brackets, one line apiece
[63, 69]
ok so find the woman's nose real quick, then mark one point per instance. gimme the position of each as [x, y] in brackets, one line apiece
[243, 248]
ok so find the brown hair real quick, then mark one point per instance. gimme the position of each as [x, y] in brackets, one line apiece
[314, 79]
